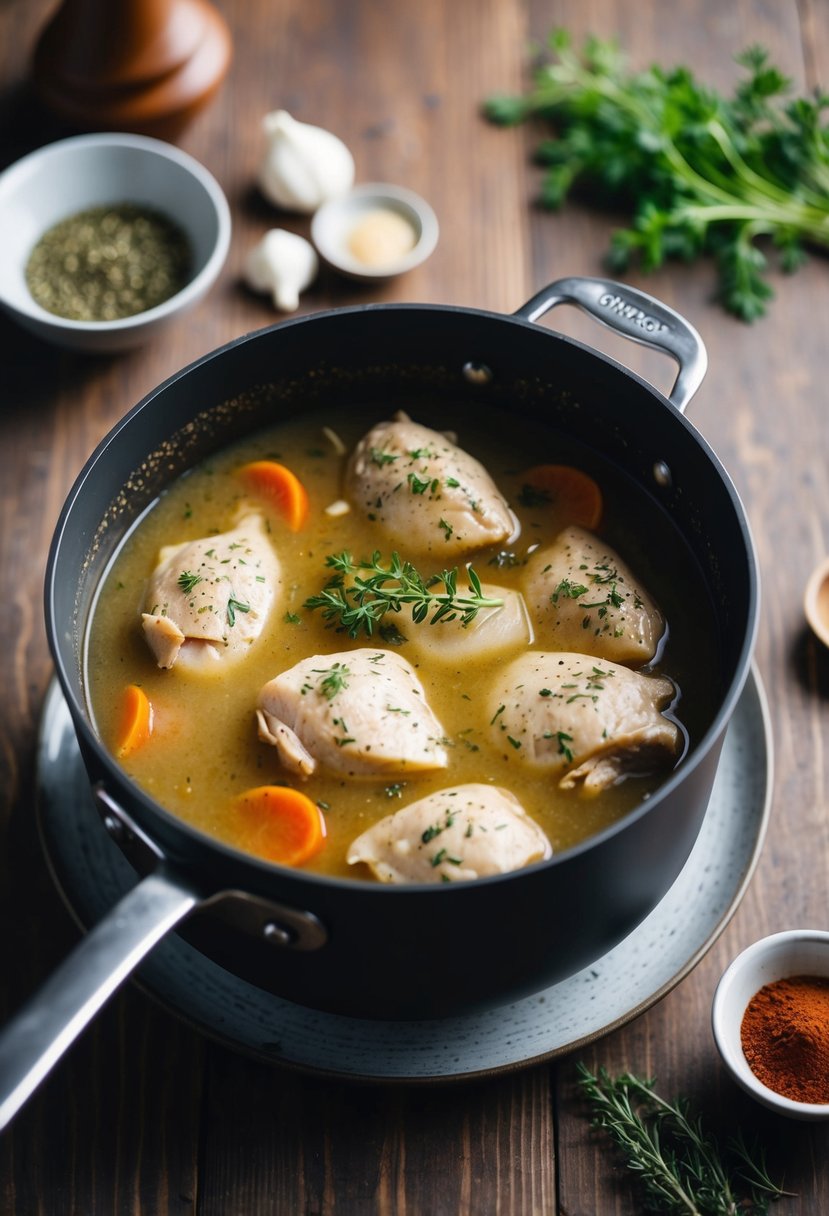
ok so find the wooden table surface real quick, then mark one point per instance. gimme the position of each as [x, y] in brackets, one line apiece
[146, 1116]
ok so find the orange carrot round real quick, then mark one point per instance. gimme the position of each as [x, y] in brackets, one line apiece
[281, 488]
[572, 493]
[280, 824]
[136, 721]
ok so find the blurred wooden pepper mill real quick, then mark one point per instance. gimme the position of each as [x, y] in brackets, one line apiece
[131, 65]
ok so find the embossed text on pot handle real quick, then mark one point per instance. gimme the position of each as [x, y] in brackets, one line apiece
[636, 315]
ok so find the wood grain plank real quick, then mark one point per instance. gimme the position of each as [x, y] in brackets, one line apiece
[333, 1149]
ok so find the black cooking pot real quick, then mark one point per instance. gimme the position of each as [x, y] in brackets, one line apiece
[357, 947]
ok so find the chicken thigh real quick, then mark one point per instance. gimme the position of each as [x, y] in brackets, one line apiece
[361, 712]
[590, 724]
[208, 599]
[582, 596]
[492, 632]
[425, 491]
[460, 833]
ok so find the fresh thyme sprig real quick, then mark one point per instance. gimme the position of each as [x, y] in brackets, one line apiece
[698, 172]
[375, 588]
[681, 1169]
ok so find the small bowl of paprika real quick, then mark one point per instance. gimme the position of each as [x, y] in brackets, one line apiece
[770, 1020]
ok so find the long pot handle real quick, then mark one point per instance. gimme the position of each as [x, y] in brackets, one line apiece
[636, 315]
[36, 1038]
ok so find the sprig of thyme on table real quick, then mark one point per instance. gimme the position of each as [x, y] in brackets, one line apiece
[699, 172]
[680, 1167]
[375, 587]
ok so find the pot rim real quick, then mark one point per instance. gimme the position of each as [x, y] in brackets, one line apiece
[274, 871]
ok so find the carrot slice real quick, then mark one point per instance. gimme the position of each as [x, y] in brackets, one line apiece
[136, 722]
[570, 491]
[280, 824]
[281, 487]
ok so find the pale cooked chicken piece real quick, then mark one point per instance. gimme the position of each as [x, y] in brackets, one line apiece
[456, 834]
[360, 712]
[426, 492]
[208, 599]
[589, 723]
[582, 596]
[491, 633]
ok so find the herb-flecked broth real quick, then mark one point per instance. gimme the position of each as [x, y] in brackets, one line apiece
[204, 749]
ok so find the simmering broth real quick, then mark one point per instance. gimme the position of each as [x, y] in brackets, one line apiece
[204, 750]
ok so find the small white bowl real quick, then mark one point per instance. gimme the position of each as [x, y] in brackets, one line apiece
[781, 956]
[60, 179]
[816, 601]
[335, 220]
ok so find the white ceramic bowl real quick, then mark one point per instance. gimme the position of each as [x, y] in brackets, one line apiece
[335, 220]
[816, 601]
[62, 178]
[781, 956]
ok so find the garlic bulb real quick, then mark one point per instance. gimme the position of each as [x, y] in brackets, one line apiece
[303, 165]
[283, 264]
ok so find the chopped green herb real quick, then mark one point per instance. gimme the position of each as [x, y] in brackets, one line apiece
[187, 581]
[416, 485]
[234, 606]
[567, 590]
[334, 680]
[563, 750]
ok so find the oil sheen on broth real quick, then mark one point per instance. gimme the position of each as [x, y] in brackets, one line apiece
[204, 750]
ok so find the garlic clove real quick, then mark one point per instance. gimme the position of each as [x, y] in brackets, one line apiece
[282, 263]
[303, 165]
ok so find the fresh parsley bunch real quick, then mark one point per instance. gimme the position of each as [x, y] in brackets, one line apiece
[700, 173]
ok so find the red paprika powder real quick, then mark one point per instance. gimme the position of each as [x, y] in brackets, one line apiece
[785, 1037]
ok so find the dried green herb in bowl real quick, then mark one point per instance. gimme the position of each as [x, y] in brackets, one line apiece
[109, 262]
[105, 238]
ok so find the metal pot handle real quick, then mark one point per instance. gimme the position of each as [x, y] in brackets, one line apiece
[36, 1038]
[633, 314]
